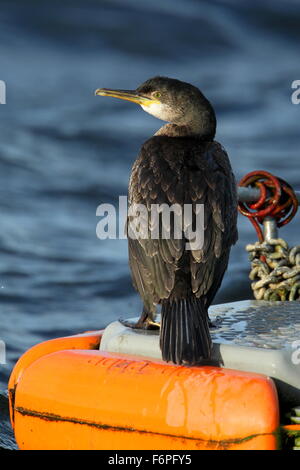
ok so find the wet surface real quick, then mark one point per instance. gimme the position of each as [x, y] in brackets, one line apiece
[260, 324]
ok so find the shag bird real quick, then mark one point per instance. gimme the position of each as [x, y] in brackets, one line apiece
[180, 165]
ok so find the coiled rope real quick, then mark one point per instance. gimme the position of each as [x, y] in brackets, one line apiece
[275, 267]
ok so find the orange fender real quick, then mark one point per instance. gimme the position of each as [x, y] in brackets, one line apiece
[89, 399]
[87, 340]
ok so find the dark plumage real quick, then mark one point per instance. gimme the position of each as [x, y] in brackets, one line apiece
[181, 164]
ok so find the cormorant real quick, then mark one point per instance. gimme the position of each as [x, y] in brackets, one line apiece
[181, 164]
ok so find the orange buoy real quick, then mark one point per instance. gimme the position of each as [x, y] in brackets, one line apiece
[88, 340]
[65, 394]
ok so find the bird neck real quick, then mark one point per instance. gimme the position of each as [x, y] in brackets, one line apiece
[175, 130]
[202, 126]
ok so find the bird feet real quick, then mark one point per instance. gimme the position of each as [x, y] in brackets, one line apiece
[142, 324]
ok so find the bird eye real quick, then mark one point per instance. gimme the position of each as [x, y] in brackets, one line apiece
[156, 94]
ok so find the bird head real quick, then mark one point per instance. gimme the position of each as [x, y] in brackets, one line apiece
[170, 100]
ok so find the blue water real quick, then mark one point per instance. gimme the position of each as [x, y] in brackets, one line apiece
[64, 151]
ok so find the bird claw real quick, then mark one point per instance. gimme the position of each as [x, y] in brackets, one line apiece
[153, 325]
[146, 324]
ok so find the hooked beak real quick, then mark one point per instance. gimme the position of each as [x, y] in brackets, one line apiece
[129, 95]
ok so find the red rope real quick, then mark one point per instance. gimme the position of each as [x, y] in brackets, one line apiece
[277, 199]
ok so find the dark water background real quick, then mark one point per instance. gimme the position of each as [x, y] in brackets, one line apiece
[63, 151]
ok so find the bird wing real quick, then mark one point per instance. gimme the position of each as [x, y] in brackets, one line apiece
[153, 262]
[217, 191]
[200, 174]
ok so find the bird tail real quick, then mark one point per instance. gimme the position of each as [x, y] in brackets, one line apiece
[184, 334]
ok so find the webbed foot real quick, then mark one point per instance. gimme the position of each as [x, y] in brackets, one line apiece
[144, 323]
